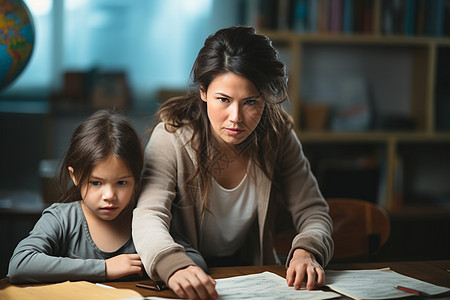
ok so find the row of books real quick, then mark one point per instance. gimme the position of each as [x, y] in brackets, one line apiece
[399, 17]
[416, 17]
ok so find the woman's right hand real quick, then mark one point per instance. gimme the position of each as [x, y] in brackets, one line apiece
[123, 265]
[193, 283]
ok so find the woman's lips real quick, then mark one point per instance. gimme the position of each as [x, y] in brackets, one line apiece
[233, 131]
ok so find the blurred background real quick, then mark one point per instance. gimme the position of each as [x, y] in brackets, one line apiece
[368, 92]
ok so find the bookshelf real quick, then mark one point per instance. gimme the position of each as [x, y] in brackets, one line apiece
[400, 54]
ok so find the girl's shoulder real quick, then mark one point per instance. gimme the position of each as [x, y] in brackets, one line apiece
[63, 206]
[64, 211]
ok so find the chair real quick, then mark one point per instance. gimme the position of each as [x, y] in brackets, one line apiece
[360, 228]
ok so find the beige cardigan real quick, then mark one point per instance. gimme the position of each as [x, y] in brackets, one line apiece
[169, 206]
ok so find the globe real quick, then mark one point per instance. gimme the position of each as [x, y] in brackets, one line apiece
[16, 40]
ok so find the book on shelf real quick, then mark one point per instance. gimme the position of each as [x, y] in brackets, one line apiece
[300, 20]
[336, 14]
[395, 17]
[347, 20]
[410, 11]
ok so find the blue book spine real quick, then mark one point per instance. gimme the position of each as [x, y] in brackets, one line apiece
[347, 22]
[410, 11]
[313, 10]
[439, 17]
[300, 16]
[430, 17]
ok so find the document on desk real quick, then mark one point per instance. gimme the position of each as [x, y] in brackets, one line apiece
[377, 284]
[65, 290]
[265, 285]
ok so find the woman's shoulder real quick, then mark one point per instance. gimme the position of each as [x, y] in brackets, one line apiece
[166, 130]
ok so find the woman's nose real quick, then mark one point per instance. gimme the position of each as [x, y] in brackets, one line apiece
[235, 113]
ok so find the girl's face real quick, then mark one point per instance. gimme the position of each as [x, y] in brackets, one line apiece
[109, 188]
[234, 107]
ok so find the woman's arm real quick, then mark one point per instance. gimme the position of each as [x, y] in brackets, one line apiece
[308, 208]
[160, 254]
[312, 248]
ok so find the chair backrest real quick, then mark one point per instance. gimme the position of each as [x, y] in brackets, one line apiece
[360, 228]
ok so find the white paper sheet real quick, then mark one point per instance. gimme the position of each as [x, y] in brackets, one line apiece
[356, 284]
[265, 285]
[376, 284]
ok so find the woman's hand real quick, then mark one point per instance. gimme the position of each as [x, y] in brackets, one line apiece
[123, 265]
[304, 266]
[193, 283]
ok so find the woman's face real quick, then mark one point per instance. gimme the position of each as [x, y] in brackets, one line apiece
[234, 107]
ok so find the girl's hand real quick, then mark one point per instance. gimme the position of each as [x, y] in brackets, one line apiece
[304, 266]
[123, 265]
[193, 283]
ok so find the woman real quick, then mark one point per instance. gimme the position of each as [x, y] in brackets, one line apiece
[220, 162]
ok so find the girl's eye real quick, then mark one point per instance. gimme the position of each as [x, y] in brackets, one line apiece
[250, 102]
[95, 183]
[121, 182]
[222, 100]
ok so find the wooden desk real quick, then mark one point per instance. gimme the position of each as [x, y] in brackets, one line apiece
[435, 272]
[430, 271]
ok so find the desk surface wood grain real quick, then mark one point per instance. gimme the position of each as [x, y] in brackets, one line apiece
[435, 271]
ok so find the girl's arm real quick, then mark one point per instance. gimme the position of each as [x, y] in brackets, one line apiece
[38, 257]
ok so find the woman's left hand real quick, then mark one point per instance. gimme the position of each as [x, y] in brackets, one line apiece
[304, 266]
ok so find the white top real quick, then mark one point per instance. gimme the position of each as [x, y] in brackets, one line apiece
[228, 217]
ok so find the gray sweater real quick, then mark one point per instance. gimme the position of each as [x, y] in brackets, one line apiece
[60, 248]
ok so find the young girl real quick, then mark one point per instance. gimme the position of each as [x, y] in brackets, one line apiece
[89, 236]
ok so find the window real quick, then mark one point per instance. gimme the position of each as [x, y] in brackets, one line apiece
[154, 42]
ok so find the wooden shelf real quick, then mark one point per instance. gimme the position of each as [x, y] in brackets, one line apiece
[422, 54]
[360, 39]
[328, 136]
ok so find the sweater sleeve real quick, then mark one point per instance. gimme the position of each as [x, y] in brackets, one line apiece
[306, 204]
[38, 257]
[160, 254]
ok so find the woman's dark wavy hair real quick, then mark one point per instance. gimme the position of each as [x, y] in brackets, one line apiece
[102, 134]
[242, 51]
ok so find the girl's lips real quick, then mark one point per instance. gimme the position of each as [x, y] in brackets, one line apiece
[233, 131]
[109, 209]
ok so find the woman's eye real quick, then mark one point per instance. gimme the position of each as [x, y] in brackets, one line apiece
[95, 183]
[122, 182]
[250, 102]
[223, 100]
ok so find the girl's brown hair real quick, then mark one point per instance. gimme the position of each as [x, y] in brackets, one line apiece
[102, 134]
